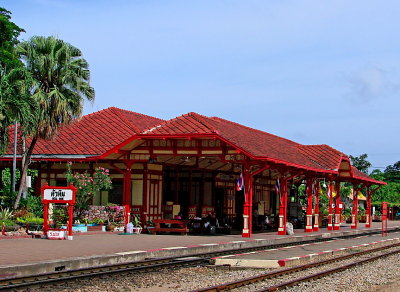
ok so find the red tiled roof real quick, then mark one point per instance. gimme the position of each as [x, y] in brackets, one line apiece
[254, 142]
[323, 155]
[96, 133]
[190, 123]
[262, 144]
[362, 176]
[102, 131]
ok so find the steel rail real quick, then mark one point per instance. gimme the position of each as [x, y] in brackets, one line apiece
[327, 272]
[157, 263]
[19, 282]
[274, 274]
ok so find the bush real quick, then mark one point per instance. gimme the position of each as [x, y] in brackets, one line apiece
[7, 222]
[23, 212]
[35, 205]
[30, 220]
[5, 214]
[60, 216]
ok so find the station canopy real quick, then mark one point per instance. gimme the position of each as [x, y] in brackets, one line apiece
[192, 139]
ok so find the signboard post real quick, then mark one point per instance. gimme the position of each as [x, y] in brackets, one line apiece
[63, 195]
[384, 218]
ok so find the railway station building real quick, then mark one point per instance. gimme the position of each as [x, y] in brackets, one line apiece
[198, 165]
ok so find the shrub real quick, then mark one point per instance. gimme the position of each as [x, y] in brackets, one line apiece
[87, 186]
[60, 216]
[35, 205]
[5, 214]
[30, 220]
[7, 222]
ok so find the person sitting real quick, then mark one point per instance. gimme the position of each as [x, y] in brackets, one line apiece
[267, 223]
[224, 226]
[210, 224]
[179, 216]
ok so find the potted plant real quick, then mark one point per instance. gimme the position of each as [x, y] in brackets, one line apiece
[110, 225]
[362, 215]
[137, 224]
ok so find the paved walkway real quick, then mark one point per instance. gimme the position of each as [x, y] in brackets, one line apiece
[100, 249]
[303, 253]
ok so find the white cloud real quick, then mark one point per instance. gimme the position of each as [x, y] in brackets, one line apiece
[370, 84]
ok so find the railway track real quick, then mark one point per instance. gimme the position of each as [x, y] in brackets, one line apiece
[141, 266]
[302, 268]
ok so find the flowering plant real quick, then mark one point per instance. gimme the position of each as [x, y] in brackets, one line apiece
[86, 186]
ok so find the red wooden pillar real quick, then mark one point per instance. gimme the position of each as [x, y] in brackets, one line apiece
[176, 197]
[126, 197]
[316, 209]
[145, 194]
[354, 211]
[251, 191]
[330, 207]
[368, 211]
[45, 219]
[309, 215]
[247, 208]
[336, 225]
[191, 199]
[127, 191]
[282, 193]
[70, 220]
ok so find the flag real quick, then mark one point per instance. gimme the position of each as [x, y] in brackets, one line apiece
[329, 190]
[240, 183]
[277, 187]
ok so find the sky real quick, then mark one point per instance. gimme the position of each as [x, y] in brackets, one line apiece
[315, 72]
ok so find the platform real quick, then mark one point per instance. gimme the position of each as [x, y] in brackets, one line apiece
[27, 256]
[305, 253]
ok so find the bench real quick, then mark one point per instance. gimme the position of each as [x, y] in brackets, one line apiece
[176, 225]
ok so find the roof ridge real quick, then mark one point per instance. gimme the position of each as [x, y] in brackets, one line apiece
[128, 123]
[203, 121]
[325, 145]
[136, 113]
[197, 117]
[257, 130]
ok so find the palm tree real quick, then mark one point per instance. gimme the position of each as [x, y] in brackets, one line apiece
[16, 104]
[61, 84]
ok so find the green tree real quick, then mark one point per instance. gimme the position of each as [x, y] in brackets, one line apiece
[16, 105]
[390, 192]
[361, 162]
[61, 84]
[9, 33]
[392, 172]
[16, 102]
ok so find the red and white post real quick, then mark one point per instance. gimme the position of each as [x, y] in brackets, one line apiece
[338, 211]
[309, 214]
[316, 208]
[330, 207]
[354, 213]
[248, 203]
[282, 206]
[368, 212]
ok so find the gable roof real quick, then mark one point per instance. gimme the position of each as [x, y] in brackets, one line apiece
[256, 143]
[95, 133]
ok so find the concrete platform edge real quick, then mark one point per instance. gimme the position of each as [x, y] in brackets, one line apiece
[9, 271]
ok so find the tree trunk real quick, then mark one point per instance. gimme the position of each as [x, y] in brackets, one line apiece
[24, 171]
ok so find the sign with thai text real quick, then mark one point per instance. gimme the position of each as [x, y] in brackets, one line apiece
[53, 194]
[61, 195]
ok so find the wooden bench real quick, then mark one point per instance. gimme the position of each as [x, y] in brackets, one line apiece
[176, 225]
